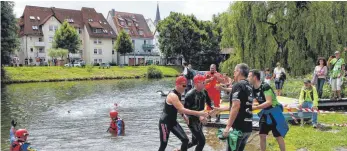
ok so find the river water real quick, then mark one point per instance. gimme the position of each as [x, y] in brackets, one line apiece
[73, 116]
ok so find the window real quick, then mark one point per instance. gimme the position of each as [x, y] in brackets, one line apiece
[97, 41]
[38, 18]
[122, 23]
[112, 41]
[129, 24]
[50, 39]
[95, 51]
[55, 28]
[31, 49]
[32, 18]
[136, 24]
[41, 50]
[90, 20]
[113, 51]
[97, 30]
[100, 22]
[95, 60]
[141, 32]
[100, 60]
[105, 31]
[105, 23]
[100, 51]
[40, 39]
[144, 42]
[35, 28]
[50, 28]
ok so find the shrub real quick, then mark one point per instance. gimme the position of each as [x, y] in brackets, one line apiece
[89, 67]
[153, 72]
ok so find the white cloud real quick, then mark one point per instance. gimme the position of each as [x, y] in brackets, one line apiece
[204, 9]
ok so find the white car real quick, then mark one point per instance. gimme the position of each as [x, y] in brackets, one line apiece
[78, 64]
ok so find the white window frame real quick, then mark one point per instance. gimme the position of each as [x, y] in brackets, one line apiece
[50, 39]
[50, 28]
[100, 51]
[32, 17]
[95, 51]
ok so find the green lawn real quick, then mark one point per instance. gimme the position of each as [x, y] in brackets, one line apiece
[322, 139]
[16, 74]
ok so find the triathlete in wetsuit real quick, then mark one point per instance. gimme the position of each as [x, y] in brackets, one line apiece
[195, 99]
[168, 120]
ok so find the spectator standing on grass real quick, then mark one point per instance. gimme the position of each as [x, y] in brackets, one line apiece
[319, 75]
[337, 66]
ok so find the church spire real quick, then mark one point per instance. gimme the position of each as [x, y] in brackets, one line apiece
[157, 16]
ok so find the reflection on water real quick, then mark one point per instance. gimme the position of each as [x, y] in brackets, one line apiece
[42, 108]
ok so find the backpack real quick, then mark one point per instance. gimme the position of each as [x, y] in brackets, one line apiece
[283, 76]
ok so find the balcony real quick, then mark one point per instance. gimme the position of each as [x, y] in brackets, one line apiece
[147, 46]
[39, 44]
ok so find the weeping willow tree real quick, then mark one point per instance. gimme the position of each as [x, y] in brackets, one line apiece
[293, 33]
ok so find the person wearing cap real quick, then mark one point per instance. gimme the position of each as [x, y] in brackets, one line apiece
[117, 126]
[213, 80]
[18, 139]
[337, 66]
[278, 75]
[195, 100]
[309, 99]
[168, 119]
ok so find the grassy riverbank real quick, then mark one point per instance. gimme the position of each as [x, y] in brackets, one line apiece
[327, 138]
[46, 74]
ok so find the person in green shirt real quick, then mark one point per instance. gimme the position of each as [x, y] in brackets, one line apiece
[337, 67]
[309, 99]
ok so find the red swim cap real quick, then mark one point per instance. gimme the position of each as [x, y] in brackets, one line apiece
[199, 78]
[113, 114]
[21, 133]
[181, 80]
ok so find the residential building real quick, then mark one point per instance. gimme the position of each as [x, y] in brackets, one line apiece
[39, 24]
[142, 37]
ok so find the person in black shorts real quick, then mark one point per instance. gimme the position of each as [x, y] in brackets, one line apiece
[265, 99]
[195, 99]
[168, 120]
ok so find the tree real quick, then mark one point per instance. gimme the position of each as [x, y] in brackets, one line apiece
[293, 33]
[67, 37]
[194, 40]
[9, 41]
[124, 44]
[62, 53]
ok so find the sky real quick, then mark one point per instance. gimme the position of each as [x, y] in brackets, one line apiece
[202, 9]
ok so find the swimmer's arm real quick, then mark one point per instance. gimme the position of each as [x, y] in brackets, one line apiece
[173, 99]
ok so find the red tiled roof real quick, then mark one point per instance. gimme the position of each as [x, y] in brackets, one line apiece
[90, 13]
[79, 18]
[133, 19]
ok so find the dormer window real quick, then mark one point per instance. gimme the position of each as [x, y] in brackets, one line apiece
[69, 20]
[97, 30]
[35, 28]
[129, 24]
[100, 22]
[136, 24]
[105, 23]
[90, 20]
[122, 23]
[111, 32]
[141, 32]
[32, 17]
[38, 18]
[105, 31]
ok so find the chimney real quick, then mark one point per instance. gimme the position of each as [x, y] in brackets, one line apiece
[113, 13]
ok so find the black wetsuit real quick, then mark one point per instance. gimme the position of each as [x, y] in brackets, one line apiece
[168, 123]
[195, 100]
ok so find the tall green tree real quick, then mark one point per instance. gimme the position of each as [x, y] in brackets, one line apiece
[124, 44]
[67, 37]
[9, 41]
[194, 40]
[293, 33]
